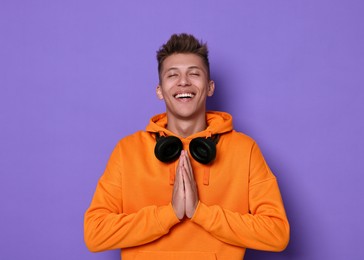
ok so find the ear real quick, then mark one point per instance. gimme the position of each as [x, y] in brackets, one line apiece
[211, 88]
[159, 92]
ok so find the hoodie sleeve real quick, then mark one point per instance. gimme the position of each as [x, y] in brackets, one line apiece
[265, 227]
[107, 227]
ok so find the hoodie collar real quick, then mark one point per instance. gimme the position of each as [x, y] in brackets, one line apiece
[217, 123]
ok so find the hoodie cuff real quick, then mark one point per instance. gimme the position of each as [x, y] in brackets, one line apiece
[203, 216]
[166, 217]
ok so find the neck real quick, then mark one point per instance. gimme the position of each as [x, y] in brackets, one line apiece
[185, 127]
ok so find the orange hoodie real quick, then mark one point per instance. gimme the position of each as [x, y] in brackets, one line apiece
[240, 203]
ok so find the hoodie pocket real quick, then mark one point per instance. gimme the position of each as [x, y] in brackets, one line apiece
[174, 255]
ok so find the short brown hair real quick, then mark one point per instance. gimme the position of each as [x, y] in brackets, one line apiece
[183, 43]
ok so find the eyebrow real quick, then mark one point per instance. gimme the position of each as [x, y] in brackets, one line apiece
[194, 67]
[188, 68]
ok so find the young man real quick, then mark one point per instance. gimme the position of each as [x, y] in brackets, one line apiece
[189, 186]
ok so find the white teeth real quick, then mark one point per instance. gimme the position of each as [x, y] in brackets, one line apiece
[185, 95]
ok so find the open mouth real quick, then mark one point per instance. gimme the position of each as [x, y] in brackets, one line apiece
[184, 95]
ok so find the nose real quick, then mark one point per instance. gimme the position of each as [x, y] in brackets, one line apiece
[184, 81]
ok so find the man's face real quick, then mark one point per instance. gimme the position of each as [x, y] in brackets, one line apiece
[184, 86]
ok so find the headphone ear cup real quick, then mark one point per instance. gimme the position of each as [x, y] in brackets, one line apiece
[203, 150]
[168, 149]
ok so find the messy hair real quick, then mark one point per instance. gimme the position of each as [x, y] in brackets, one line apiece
[183, 43]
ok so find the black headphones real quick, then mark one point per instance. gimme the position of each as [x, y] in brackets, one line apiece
[203, 150]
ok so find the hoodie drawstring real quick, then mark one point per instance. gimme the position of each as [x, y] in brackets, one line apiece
[172, 173]
[206, 176]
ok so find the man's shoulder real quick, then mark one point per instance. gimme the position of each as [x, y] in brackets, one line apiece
[241, 137]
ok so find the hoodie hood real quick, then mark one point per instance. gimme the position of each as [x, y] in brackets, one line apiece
[217, 123]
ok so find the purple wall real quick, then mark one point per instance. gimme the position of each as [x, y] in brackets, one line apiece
[76, 76]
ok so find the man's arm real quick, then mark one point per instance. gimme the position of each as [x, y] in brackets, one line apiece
[107, 227]
[265, 227]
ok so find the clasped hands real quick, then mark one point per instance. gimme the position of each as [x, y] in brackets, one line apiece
[185, 195]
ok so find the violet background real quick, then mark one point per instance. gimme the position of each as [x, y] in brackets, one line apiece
[76, 76]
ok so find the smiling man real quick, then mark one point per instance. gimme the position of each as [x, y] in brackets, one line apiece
[189, 186]
[184, 86]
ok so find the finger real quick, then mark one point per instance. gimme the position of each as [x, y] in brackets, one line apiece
[189, 167]
[186, 178]
[191, 178]
[179, 197]
[186, 167]
[178, 187]
[178, 184]
[179, 169]
[191, 197]
[180, 177]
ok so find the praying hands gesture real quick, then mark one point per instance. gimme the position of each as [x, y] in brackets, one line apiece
[185, 196]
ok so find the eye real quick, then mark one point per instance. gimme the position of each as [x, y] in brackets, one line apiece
[195, 74]
[172, 75]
